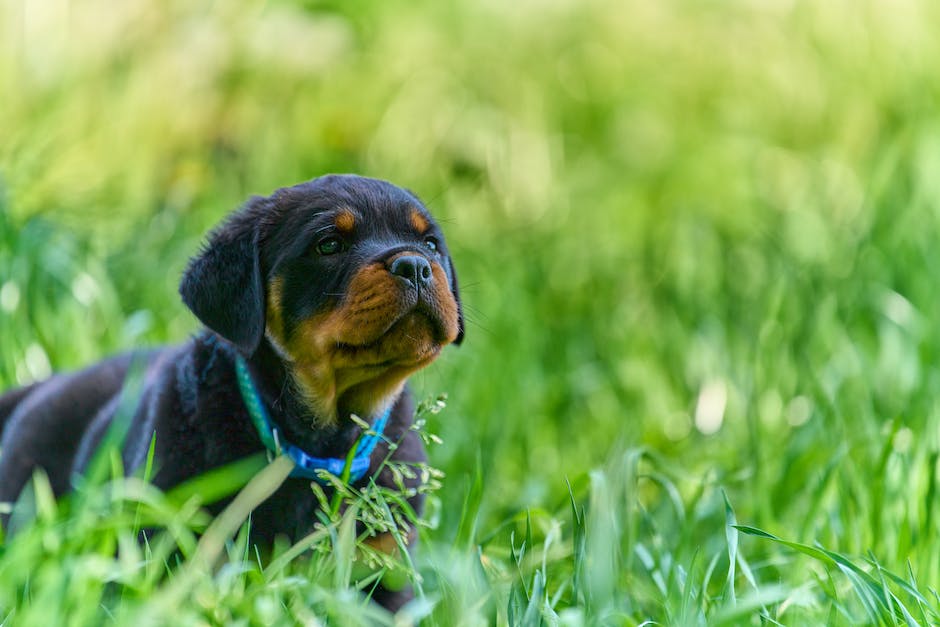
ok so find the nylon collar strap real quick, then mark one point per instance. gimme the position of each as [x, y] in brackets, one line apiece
[305, 466]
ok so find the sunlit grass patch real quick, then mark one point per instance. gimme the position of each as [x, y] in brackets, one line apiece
[622, 545]
[120, 550]
[127, 552]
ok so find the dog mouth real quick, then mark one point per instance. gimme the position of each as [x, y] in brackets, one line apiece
[409, 339]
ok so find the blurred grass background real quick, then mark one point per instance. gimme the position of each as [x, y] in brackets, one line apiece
[698, 235]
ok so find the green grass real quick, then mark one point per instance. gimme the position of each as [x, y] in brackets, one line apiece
[697, 245]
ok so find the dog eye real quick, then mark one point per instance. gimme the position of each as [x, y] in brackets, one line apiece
[432, 243]
[330, 246]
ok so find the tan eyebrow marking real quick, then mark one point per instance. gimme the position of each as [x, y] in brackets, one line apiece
[345, 221]
[419, 222]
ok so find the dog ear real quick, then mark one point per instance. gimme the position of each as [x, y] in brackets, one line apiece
[456, 292]
[223, 284]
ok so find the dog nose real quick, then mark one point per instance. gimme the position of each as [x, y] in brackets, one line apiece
[415, 268]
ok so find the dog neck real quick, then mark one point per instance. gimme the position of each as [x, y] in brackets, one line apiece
[291, 413]
[352, 466]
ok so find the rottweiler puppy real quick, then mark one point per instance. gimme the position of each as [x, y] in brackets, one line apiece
[318, 301]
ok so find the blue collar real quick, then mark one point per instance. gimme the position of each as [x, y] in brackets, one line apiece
[306, 466]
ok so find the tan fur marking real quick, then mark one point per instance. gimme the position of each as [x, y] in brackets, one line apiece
[446, 303]
[419, 222]
[311, 348]
[345, 221]
[385, 542]
[274, 320]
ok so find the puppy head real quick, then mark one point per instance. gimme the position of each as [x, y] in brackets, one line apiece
[347, 278]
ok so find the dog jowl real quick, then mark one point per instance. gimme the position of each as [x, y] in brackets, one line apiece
[318, 301]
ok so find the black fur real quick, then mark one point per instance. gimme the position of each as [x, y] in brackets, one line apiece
[190, 399]
[223, 286]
